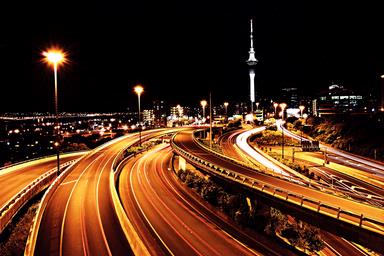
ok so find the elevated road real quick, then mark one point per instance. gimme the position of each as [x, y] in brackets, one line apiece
[334, 244]
[327, 203]
[17, 177]
[172, 222]
[80, 217]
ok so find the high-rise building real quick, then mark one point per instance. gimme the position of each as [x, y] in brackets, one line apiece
[148, 117]
[177, 112]
[290, 97]
[160, 113]
[338, 100]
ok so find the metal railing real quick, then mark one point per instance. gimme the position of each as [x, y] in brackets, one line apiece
[358, 219]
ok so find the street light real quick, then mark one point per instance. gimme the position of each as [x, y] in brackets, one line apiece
[226, 107]
[203, 104]
[282, 106]
[275, 106]
[139, 90]
[301, 107]
[257, 105]
[55, 57]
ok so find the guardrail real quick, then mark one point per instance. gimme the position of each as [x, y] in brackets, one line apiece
[298, 199]
[11, 208]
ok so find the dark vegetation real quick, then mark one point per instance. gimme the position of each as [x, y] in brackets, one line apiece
[13, 239]
[361, 136]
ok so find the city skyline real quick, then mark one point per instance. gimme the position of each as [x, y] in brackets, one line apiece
[110, 51]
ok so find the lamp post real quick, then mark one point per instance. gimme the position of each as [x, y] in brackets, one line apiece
[275, 106]
[226, 107]
[301, 107]
[139, 90]
[282, 106]
[381, 107]
[56, 57]
[282, 144]
[257, 105]
[203, 104]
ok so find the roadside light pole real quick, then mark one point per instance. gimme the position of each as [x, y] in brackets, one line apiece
[282, 106]
[301, 107]
[275, 106]
[226, 108]
[203, 105]
[282, 144]
[56, 57]
[210, 121]
[139, 90]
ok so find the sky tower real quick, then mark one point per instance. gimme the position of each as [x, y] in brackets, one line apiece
[252, 61]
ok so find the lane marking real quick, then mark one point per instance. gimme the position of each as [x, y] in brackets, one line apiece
[98, 208]
[66, 206]
[68, 182]
[142, 212]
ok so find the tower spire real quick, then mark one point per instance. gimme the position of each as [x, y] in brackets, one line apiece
[252, 59]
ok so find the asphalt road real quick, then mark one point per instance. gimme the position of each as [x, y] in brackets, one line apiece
[173, 222]
[185, 141]
[334, 244]
[16, 178]
[80, 218]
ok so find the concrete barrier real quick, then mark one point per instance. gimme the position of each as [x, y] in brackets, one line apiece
[12, 207]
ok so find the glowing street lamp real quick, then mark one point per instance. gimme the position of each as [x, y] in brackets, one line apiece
[55, 57]
[275, 106]
[226, 107]
[203, 104]
[257, 105]
[301, 107]
[282, 106]
[139, 90]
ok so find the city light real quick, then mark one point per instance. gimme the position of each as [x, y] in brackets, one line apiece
[55, 56]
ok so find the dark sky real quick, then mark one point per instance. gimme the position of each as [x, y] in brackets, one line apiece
[181, 51]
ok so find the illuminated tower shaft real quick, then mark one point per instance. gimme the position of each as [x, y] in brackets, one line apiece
[252, 61]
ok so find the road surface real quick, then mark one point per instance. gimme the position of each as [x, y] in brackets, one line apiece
[173, 222]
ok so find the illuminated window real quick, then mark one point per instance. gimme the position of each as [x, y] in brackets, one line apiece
[335, 97]
[352, 97]
[359, 97]
[322, 98]
[343, 97]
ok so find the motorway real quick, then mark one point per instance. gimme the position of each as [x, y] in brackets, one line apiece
[80, 218]
[16, 178]
[185, 141]
[359, 175]
[370, 166]
[334, 244]
[171, 221]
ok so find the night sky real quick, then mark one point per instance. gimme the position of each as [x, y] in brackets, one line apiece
[180, 51]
